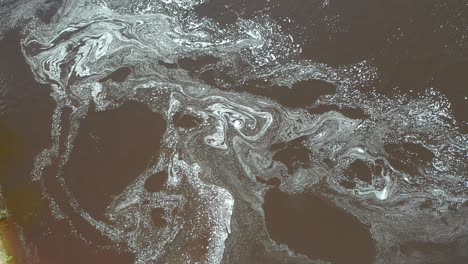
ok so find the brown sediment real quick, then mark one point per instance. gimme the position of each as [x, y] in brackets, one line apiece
[25, 203]
[24, 131]
[11, 248]
[5, 248]
[310, 225]
[10, 245]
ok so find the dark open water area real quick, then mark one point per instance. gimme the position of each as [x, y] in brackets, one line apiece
[214, 131]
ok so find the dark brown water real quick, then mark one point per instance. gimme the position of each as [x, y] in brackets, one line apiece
[156, 182]
[112, 146]
[24, 133]
[413, 46]
[301, 94]
[312, 226]
[293, 154]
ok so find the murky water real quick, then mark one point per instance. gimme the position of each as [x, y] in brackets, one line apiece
[266, 131]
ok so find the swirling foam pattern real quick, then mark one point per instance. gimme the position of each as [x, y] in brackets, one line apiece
[213, 198]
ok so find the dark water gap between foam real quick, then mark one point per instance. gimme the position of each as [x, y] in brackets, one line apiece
[310, 225]
[111, 150]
